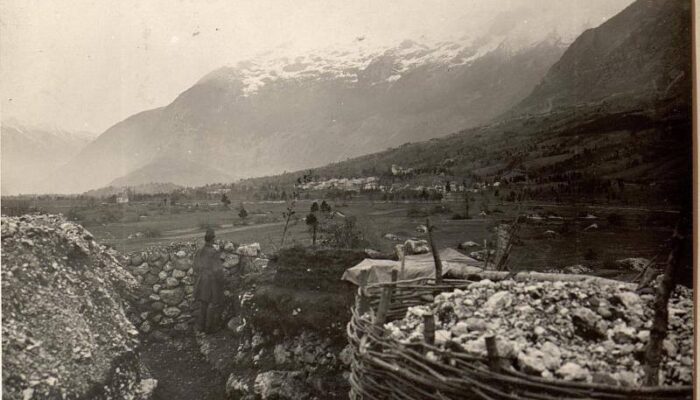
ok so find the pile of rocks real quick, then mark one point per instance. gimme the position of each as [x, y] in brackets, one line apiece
[293, 367]
[65, 302]
[166, 277]
[585, 331]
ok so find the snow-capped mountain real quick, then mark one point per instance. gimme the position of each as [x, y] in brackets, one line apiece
[30, 153]
[280, 112]
[347, 63]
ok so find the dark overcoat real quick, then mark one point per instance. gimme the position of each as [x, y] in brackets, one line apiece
[209, 275]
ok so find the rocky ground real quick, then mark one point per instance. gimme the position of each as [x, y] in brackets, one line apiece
[182, 372]
[289, 342]
[65, 315]
[579, 331]
[71, 309]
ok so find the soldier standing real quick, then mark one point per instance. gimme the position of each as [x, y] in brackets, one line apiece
[209, 284]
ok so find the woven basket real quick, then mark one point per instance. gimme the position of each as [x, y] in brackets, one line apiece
[383, 368]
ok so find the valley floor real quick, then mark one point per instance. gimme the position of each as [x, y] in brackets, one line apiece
[639, 232]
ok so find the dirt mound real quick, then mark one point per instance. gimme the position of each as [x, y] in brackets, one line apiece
[65, 331]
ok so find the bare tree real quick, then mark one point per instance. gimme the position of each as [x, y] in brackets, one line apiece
[287, 216]
[312, 222]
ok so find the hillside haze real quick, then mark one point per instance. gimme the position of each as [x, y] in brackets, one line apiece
[31, 153]
[270, 115]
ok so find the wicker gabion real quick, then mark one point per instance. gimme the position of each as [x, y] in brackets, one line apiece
[383, 368]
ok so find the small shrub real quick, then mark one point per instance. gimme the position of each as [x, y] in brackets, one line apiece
[344, 234]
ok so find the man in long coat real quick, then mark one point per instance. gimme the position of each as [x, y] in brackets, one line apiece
[209, 284]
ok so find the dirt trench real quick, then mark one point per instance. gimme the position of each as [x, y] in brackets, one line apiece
[181, 370]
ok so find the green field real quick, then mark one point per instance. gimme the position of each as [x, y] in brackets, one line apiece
[632, 232]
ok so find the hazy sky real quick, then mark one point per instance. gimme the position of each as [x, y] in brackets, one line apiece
[87, 64]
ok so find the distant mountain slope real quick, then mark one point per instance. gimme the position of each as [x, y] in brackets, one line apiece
[638, 62]
[267, 116]
[29, 154]
[146, 188]
[186, 173]
[639, 57]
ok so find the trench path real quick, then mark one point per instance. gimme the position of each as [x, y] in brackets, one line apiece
[181, 370]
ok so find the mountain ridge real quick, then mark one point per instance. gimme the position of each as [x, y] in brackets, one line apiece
[401, 95]
[637, 57]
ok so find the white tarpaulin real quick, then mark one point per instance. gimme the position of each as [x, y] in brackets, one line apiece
[416, 266]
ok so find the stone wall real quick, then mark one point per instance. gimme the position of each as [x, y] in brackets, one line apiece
[166, 277]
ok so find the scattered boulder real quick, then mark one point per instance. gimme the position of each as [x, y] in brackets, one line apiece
[141, 269]
[183, 264]
[179, 274]
[391, 236]
[587, 324]
[551, 355]
[531, 361]
[633, 263]
[250, 250]
[171, 312]
[281, 385]
[573, 372]
[172, 297]
[467, 245]
[481, 254]
[147, 387]
[498, 301]
[371, 253]
[236, 386]
[412, 246]
[630, 300]
[591, 227]
[171, 282]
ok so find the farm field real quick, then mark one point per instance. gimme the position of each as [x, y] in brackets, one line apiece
[632, 232]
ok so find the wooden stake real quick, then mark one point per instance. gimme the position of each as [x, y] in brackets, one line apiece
[486, 256]
[492, 353]
[384, 303]
[385, 300]
[663, 293]
[429, 328]
[362, 300]
[436, 254]
[400, 251]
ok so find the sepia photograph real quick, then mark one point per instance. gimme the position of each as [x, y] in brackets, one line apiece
[333, 199]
